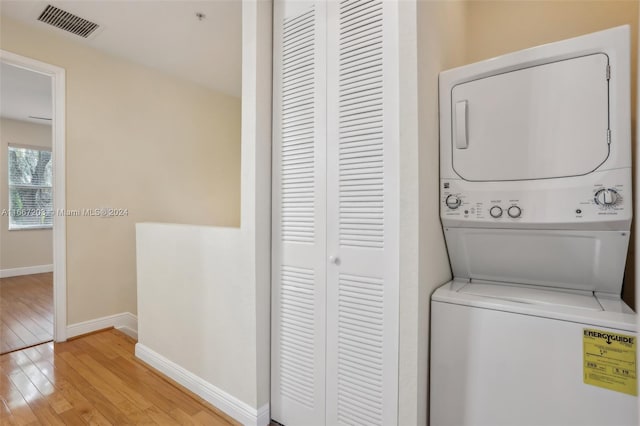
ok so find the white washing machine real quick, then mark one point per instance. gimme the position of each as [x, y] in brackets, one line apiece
[536, 207]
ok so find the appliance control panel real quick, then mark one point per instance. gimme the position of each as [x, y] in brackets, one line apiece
[599, 197]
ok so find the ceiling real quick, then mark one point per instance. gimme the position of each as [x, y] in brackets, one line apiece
[166, 35]
[24, 93]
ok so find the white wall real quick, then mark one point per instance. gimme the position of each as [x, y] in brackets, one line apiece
[196, 303]
[24, 248]
[411, 399]
[440, 46]
[204, 292]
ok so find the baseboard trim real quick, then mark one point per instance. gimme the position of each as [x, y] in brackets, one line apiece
[220, 399]
[27, 270]
[264, 415]
[125, 322]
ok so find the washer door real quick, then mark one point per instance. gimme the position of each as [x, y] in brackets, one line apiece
[540, 122]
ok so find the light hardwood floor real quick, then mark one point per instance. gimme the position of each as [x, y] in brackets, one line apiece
[95, 379]
[26, 311]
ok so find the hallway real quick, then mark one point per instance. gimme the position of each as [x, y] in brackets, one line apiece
[26, 311]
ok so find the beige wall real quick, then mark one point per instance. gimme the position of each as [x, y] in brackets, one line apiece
[24, 248]
[163, 148]
[497, 27]
[433, 41]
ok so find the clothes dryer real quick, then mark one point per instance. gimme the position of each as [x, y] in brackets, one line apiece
[536, 207]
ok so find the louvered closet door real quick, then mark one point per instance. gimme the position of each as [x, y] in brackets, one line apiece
[299, 214]
[362, 213]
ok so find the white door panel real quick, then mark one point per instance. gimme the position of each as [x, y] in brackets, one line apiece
[362, 286]
[540, 122]
[299, 185]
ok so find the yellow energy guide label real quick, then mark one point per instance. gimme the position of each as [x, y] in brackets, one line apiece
[610, 361]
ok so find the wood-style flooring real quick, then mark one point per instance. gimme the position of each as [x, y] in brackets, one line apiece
[94, 379]
[26, 311]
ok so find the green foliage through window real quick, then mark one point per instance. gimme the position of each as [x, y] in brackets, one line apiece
[30, 188]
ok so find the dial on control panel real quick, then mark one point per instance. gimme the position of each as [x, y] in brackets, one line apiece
[453, 202]
[495, 211]
[607, 197]
[514, 211]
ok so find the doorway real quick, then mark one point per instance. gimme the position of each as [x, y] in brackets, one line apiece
[32, 203]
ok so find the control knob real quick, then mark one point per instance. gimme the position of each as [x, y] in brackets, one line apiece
[495, 211]
[514, 211]
[606, 197]
[453, 202]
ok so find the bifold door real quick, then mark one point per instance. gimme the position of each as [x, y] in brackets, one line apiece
[335, 214]
[362, 214]
[299, 214]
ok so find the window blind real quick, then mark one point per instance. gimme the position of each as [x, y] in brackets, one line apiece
[30, 188]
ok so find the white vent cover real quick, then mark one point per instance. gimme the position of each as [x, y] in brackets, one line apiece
[67, 21]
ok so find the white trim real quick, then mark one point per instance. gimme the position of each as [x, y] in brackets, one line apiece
[229, 404]
[28, 227]
[26, 270]
[264, 415]
[58, 123]
[125, 322]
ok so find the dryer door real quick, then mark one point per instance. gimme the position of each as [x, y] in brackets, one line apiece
[540, 122]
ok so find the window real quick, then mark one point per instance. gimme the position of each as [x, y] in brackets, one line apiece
[30, 188]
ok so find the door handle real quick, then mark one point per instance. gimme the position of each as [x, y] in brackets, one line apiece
[462, 141]
[334, 259]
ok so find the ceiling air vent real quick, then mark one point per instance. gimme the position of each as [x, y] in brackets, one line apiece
[67, 21]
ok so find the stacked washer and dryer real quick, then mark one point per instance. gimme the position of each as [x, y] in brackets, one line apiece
[536, 207]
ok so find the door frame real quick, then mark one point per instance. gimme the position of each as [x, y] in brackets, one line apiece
[58, 123]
